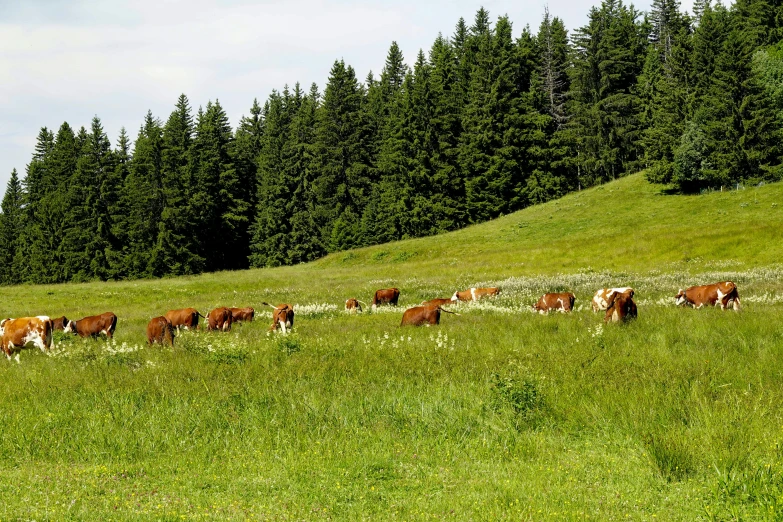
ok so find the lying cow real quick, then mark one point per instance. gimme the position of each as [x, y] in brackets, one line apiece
[282, 317]
[93, 326]
[474, 294]
[353, 305]
[219, 319]
[437, 302]
[602, 297]
[242, 314]
[724, 293]
[621, 307]
[160, 330]
[185, 318]
[421, 315]
[562, 302]
[385, 296]
[18, 333]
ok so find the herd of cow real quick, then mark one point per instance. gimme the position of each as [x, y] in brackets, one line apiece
[617, 302]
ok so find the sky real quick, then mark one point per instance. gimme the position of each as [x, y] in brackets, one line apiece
[71, 61]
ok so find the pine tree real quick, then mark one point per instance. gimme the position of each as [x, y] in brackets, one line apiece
[219, 201]
[270, 229]
[342, 186]
[176, 250]
[142, 201]
[87, 222]
[12, 223]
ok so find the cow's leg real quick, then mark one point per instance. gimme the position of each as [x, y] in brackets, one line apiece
[282, 326]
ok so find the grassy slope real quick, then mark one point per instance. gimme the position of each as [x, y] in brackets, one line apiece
[496, 414]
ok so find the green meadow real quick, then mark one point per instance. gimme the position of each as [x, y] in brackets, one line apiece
[495, 414]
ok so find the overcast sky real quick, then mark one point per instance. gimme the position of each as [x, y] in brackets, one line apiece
[69, 61]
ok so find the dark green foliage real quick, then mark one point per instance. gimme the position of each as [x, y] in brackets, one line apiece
[11, 228]
[486, 123]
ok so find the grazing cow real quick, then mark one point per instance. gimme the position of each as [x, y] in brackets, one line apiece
[386, 296]
[724, 293]
[621, 307]
[160, 330]
[219, 319]
[421, 315]
[282, 317]
[17, 333]
[242, 314]
[437, 302]
[186, 318]
[562, 302]
[60, 323]
[474, 294]
[602, 296]
[94, 325]
[353, 305]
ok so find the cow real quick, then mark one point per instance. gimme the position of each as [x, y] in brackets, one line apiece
[219, 319]
[724, 293]
[353, 305]
[385, 296]
[621, 307]
[184, 318]
[438, 302]
[282, 317]
[602, 296]
[562, 302]
[242, 314]
[60, 323]
[93, 326]
[474, 294]
[160, 330]
[17, 333]
[421, 315]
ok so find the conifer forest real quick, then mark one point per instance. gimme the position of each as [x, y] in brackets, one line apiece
[487, 121]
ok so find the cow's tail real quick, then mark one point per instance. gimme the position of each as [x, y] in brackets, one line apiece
[113, 326]
[48, 328]
[734, 296]
[267, 304]
[447, 311]
[571, 301]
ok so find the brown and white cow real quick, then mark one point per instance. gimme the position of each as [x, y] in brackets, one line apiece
[18, 333]
[385, 296]
[93, 325]
[160, 330]
[602, 297]
[421, 315]
[242, 314]
[353, 305]
[185, 318]
[219, 319]
[621, 307]
[560, 301]
[474, 294]
[724, 293]
[282, 317]
[438, 302]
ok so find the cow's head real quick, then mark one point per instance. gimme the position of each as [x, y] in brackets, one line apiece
[680, 299]
[69, 326]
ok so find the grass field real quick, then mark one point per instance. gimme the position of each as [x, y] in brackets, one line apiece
[498, 413]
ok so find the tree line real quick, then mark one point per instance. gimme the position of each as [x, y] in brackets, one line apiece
[483, 124]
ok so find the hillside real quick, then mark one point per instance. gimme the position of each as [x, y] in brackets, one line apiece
[496, 414]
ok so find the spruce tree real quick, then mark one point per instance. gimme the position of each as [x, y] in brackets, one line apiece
[176, 250]
[12, 223]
